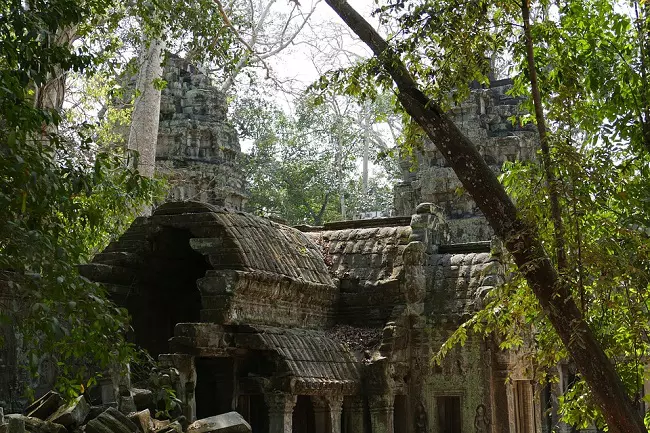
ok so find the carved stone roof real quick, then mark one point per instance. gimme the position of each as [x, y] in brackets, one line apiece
[364, 255]
[241, 268]
[458, 282]
[233, 240]
[314, 361]
[368, 263]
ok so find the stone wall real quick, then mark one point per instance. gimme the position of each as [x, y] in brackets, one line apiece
[198, 149]
[486, 118]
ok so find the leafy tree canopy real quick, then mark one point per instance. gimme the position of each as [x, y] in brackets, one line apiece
[66, 189]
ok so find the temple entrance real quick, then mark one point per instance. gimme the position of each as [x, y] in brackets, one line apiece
[304, 420]
[214, 386]
[254, 410]
[166, 291]
[400, 416]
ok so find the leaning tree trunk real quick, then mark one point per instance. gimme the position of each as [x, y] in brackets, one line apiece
[143, 134]
[521, 239]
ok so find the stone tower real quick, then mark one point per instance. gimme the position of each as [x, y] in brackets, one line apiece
[198, 149]
[490, 118]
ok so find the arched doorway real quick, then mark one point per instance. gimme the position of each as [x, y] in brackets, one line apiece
[166, 291]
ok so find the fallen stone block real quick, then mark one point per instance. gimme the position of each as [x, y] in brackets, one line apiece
[95, 411]
[16, 425]
[143, 398]
[73, 414]
[173, 427]
[182, 420]
[111, 421]
[158, 424]
[231, 422]
[142, 420]
[34, 425]
[44, 406]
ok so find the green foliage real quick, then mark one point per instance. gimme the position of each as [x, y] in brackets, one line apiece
[300, 166]
[60, 200]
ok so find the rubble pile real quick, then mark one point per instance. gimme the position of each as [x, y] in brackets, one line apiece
[51, 414]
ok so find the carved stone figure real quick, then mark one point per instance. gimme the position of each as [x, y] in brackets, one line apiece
[481, 419]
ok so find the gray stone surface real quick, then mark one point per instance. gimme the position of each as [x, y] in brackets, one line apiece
[73, 414]
[16, 425]
[172, 427]
[143, 398]
[33, 425]
[142, 420]
[231, 422]
[111, 421]
[198, 149]
[492, 120]
[45, 406]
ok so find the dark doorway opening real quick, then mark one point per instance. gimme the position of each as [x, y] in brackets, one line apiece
[400, 414]
[304, 420]
[214, 386]
[166, 293]
[448, 414]
[254, 410]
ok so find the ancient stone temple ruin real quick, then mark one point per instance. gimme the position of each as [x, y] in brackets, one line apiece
[198, 149]
[491, 119]
[331, 329]
[322, 329]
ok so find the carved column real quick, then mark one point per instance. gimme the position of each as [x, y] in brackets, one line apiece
[327, 413]
[336, 407]
[280, 412]
[353, 419]
[381, 413]
[186, 381]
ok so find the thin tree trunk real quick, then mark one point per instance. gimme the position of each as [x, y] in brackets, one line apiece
[551, 180]
[366, 149]
[642, 18]
[143, 134]
[521, 240]
[250, 46]
[339, 175]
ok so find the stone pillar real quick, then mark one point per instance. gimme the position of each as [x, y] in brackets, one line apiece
[381, 413]
[336, 407]
[121, 381]
[280, 412]
[327, 413]
[428, 226]
[185, 383]
[353, 420]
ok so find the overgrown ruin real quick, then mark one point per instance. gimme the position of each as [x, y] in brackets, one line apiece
[319, 329]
